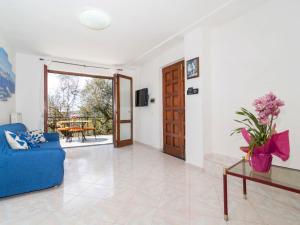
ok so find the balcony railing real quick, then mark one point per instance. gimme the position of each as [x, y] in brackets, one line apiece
[101, 125]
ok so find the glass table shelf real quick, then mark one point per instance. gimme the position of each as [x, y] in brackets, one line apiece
[278, 176]
[284, 177]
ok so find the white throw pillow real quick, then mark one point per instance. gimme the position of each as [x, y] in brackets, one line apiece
[15, 142]
[37, 136]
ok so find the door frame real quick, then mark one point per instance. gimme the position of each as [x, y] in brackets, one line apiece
[116, 94]
[182, 62]
[46, 74]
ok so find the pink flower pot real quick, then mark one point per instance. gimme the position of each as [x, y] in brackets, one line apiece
[261, 158]
[261, 162]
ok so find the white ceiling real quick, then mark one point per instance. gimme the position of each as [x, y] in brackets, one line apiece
[51, 27]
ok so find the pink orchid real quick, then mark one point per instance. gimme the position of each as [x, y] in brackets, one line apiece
[260, 128]
[267, 106]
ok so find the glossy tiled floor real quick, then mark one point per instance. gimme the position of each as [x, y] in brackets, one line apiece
[138, 185]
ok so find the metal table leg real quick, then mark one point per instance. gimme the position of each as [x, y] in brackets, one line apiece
[244, 180]
[244, 188]
[225, 195]
[83, 136]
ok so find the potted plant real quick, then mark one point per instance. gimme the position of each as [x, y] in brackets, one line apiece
[260, 134]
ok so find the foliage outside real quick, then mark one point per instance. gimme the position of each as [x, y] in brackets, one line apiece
[87, 98]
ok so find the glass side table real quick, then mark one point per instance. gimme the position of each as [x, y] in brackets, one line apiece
[279, 177]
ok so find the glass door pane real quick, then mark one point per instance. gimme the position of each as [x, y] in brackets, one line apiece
[125, 131]
[123, 110]
[125, 99]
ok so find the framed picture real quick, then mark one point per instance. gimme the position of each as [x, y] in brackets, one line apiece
[192, 68]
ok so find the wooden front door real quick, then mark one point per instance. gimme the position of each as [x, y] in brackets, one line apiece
[174, 110]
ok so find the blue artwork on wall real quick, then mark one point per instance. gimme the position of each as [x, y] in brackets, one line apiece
[7, 77]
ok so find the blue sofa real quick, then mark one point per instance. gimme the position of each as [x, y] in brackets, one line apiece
[24, 171]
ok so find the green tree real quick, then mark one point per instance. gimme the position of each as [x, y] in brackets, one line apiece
[62, 102]
[96, 101]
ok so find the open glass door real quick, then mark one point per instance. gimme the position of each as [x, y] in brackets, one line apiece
[123, 118]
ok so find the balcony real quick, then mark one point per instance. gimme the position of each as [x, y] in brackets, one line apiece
[81, 131]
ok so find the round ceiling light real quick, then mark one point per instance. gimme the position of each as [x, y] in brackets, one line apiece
[94, 19]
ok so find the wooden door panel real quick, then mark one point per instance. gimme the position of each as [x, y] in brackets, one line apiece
[169, 101]
[174, 110]
[176, 88]
[176, 142]
[168, 129]
[169, 90]
[176, 129]
[176, 115]
[169, 76]
[168, 140]
[169, 116]
[176, 101]
[175, 76]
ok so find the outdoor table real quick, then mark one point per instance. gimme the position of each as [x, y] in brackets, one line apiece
[65, 131]
[70, 122]
[280, 177]
[72, 129]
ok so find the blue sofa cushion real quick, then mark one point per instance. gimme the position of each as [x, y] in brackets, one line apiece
[50, 145]
[51, 136]
[29, 140]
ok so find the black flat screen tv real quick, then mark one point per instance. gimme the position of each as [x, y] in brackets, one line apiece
[141, 97]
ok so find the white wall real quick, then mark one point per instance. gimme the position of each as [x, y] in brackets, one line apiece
[30, 85]
[29, 90]
[252, 55]
[198, 107]
[148, 125]
[240, 60]
[9, 106]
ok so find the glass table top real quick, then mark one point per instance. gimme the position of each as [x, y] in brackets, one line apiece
[278, 175]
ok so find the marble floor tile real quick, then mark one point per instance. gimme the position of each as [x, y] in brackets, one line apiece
[138, 185]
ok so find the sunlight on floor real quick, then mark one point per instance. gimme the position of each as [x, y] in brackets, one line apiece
[90, 140]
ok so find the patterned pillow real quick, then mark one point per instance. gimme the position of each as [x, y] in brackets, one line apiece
[37, 136]
[15, 141]
[30, 142]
